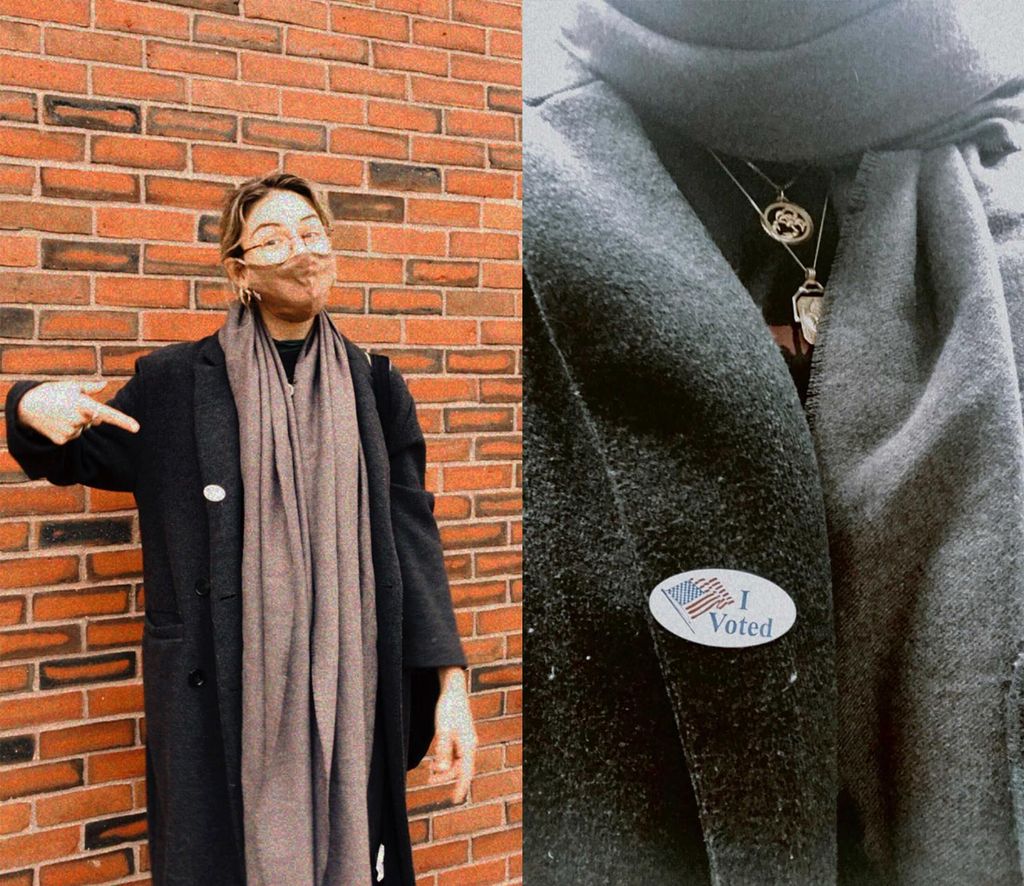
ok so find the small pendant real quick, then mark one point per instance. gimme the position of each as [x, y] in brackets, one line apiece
[787, 222]
[808, 303]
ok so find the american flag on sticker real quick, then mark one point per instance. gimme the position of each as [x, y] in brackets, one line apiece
[693, 597]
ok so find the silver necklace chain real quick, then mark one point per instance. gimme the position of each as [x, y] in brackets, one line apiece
[753, 202]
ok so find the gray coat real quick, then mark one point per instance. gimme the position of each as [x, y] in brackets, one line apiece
[192, 553]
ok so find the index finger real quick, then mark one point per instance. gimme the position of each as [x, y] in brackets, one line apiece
[104, 414]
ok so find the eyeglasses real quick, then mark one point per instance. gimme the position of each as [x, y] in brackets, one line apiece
[280, 248]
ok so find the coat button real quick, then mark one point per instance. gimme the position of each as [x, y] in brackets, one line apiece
[203, 587]
[213, 492]
[196, 678]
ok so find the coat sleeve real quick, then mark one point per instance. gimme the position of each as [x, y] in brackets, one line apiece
[430, 636]
[103, 457]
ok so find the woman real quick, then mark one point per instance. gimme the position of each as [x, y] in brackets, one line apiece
[873, 735]
[298, 626]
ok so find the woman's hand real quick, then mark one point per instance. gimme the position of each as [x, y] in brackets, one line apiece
[61, 410]
[456, 735]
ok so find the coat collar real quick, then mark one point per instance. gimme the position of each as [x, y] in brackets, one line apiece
[709, 456]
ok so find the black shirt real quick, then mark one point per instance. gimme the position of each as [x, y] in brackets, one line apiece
[288, 349]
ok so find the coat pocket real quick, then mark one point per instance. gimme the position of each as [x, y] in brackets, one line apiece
[155, 626]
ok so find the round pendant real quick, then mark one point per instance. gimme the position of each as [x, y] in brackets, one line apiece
[787, 222]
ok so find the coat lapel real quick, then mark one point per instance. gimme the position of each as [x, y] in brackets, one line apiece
[709, 456]
[217, 447]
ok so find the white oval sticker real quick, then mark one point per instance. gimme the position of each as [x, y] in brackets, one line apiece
[722, 607]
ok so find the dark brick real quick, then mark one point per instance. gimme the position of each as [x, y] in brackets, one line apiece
[16, 322]
[200, 125]
[33, 642]
[114, 831]
[82, 255]
[90, 113]
[400, 177]
[17, 748]
[351, 206]
[105, 668]
[209, 229]
[228, 7]
[112, 531]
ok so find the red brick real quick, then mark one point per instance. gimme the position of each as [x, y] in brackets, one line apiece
[480, 124]
[369, 23]
[245, 35]
[144, 224]
[507, 43]
[449, 35]
[18, 106]
[35, 144]
[392, 115]
[133, 83]
[16, 179]
[300, 12]
[366, 142]
[465, 821]
[123, 15]
[16, 678]
[39, 216]
[487, 12]
[98, 47]
[448, 213]
[152, 293]
[182, 259]
[322, 168]
[338, 47]
[72, 12]
[486, 70]
[479, 874]
[363, 81]
[191, 193]
[19, 251]
[432, 90]
[16, 817]
[484, 245]
[447, 151]
[39, 846]
[479, 183]
[262, 68]
[222, 160]
[147, 153]
[89, 325]
[89, 737]
[278, 134]
[96, 868]
[246, 97]
[192, 60]
[410, 58]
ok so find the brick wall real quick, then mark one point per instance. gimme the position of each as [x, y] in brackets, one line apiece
[123, 125]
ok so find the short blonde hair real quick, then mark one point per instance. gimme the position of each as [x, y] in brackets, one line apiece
[232, 219]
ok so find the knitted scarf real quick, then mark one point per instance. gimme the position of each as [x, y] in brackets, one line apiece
[914, 406]
[309, 667]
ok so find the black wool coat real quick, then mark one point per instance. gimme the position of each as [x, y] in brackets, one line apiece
[192, 637]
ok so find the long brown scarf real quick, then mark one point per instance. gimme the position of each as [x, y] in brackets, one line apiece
[309, 665]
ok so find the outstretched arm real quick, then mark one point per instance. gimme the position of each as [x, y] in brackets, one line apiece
[103, 455]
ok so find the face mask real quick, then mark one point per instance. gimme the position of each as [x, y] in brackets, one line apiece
[296, 289]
